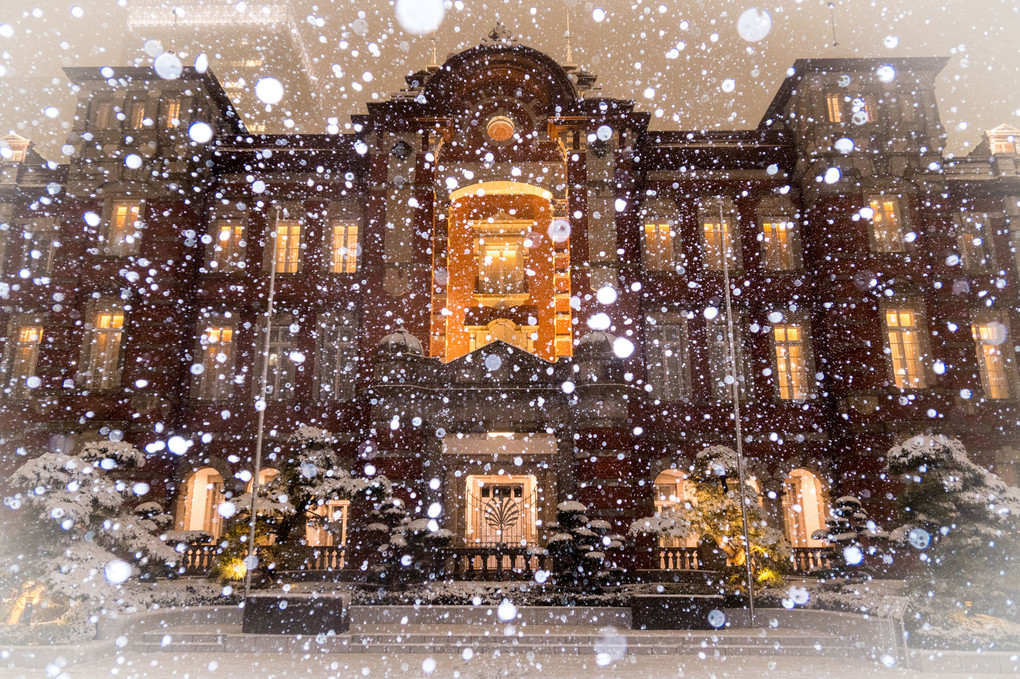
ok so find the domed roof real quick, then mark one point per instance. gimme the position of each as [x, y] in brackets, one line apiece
[400, 341]
[596, 342]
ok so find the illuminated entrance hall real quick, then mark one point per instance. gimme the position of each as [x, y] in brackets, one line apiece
[508, 274]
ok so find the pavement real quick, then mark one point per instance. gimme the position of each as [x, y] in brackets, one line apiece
[469, 665]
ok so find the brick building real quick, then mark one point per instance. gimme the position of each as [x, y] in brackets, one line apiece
[504, 285]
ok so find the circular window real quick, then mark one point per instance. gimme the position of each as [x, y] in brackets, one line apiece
[500, 129]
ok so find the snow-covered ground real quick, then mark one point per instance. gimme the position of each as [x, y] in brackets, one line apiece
[480, 666]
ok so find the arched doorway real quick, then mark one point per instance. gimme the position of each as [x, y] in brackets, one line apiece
[501, 511]
[199, 503]
[265, 476]
[804, 508]
[672, 493]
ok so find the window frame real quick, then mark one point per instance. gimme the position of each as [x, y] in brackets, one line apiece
[728, 231]
[17, 369]
[131, 242]
[669, 260]
[791, 251]
[290, 257]
[675, 386]
[878, 245]
[718, 389]
[217, 379]
[922, 379]
[979, 259]
[1004, 349]
[337, 359]
[341, 259]
[281, 340]
[102, 371]
[227, 261]
[788, 391]
[50, 229]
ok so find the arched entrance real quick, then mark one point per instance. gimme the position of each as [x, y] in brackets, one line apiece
[199, 503]
[804, 508]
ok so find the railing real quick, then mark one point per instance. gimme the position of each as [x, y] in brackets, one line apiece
[198, 559]
[678, 559]
[807, 559]
[321, 558]
[496, 563]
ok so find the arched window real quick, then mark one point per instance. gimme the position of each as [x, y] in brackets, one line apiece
[203, 493]
[673, 492]
[335, 533]
[265, 476]
[804, 508]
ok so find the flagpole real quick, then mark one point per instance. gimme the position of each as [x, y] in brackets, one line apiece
[724, 235]
[260, 405]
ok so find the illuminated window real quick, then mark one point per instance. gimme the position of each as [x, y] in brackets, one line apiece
[215, 354]
[673, 493]
[780, 245]
[344, 248]
[501, 266]
[974, 242]
[666, 358]
[227, 249]
[288, 247]
[904, 344]
[123, 229]
[791, 367]
[659, 247]
[100, 363]
[500, 129]
[862, 109]
[834, 103]
[22, 357]
[198, 508]
[137, 119]
[804, 508]
[719, 236]
[886, 224]
[995, 358]
[173, 113]
[328, 527]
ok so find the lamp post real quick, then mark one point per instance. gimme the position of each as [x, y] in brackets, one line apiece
[260, 406]
[724, 235]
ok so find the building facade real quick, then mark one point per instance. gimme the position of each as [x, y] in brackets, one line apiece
[503, 287]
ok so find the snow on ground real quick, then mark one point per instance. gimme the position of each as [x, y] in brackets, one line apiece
[487, 666]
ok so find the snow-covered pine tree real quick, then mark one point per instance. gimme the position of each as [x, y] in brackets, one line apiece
[856, 540]
[962, 519]
[577, 549]
[77, 533]
[409, 548]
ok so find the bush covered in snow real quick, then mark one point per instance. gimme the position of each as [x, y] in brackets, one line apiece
[77, 534]
[963, 523]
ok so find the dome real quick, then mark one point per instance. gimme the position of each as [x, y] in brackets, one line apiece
[595, 343]
[400, 341]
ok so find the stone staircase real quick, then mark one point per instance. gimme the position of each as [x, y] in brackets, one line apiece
[424, 630]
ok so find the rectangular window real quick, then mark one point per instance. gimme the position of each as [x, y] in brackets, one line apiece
[337, 358]
[101, 347]
[780, 245]
[995, 358]
[137, 117]
[123, 234]
[720, 369]
[215, 353]
[501, 265]
[23, 355]
[862, 109]
[282, 371]
[288, 247]
[903, 337]
[886, 224]
[719, 237]
[666, 351]
[40, 250]
[659, 253]
[344, 248]
[227, 249]
[104, 118]
[173, 113]
[974, 242]
[834, 103]
[791, 357]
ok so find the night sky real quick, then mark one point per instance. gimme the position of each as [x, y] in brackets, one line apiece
[630, 50]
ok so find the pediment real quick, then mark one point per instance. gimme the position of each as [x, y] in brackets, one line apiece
[500, 362]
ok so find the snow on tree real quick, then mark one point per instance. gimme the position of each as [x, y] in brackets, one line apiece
[850, 532]
[79, 535]
[715, 517]
[410, 549]
[962, 519]
[578, 547]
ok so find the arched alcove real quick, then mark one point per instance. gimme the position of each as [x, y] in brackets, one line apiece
[804, 508]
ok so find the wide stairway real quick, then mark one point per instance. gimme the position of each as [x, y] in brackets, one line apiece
[467, 631]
